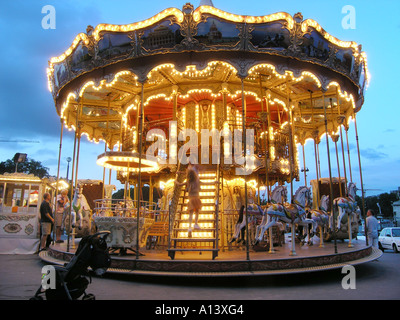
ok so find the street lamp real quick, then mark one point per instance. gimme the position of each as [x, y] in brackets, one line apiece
[68, 160]
[19, 158]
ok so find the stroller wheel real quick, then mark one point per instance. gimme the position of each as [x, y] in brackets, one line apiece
[89, 296]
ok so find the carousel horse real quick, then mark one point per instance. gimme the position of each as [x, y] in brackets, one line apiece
[272, 211]
[321, 216]
[293, 214]
[346, 205]
[298, 212]
[79, 203]
[252, 210]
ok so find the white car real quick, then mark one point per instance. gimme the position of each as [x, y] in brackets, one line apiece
[389, 238]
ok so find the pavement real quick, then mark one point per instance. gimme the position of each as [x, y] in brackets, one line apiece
[375, 280]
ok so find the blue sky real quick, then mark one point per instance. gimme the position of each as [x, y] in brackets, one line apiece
[28, 112]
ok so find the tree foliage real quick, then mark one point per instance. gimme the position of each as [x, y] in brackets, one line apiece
[145, 193]
[30, 166]
[384, 201]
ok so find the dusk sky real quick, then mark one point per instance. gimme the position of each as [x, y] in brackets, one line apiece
[29, 122]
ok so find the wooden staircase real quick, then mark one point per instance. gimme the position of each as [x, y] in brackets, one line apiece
[206, 238]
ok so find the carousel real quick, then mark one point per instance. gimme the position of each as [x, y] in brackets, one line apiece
[240, 96]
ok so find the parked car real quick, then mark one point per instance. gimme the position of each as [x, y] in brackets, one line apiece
[361, 236]
[389, 238]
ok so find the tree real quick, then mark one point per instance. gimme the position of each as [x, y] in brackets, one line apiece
[30, 166]
[145, 193]
[384, 200]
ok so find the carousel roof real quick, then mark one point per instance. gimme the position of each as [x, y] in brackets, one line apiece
[205, 54]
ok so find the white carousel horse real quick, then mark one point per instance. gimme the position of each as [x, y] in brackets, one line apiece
[346, 205]
[252, 210]
[302, 201]
[77, 207]
[273, 209]
[294, 214]
[79, 203]
[321, 217]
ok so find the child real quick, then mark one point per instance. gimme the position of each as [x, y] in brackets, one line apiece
[193, 187]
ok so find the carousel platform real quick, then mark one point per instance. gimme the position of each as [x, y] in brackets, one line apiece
[229, 263]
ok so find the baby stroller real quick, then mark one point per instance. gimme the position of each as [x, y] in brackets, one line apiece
[71, 280]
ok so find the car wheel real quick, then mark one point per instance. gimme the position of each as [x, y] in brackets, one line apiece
[395, 248]
[380, 247]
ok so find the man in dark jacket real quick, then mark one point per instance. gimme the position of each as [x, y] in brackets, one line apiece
[46, 220]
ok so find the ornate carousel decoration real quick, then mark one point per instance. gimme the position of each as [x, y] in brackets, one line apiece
[240, 93]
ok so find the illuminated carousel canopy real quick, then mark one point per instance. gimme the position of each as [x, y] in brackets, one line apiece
[191, 65]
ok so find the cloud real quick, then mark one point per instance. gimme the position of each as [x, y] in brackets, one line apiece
[372, 154]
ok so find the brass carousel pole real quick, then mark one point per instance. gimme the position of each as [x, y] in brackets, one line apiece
[265, 117]
[58, 178]
[244, 167]
[315, 138]
[340, 122]
[290, 142]
[293, 249]
[348, 150]
[76, 173]
[361, 180]
[304, 163]
[335, 139]
[139, 182]
[72, 182]
[330, 171]
[316, 166]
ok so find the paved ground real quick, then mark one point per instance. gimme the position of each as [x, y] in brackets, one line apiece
[20, 278]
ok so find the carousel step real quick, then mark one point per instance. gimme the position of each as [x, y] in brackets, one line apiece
[202, 211]
[195, 230]
[193, 249]
[201, 220]
[193, 239]
[214, 251]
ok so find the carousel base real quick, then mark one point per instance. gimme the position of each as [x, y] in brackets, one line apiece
[230, 262]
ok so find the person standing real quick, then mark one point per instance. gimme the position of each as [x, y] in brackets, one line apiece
[372, 225]
[62, 202]
[46, 220]
[193, 187]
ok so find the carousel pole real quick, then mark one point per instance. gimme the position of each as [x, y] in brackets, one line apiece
[76, 176]
[105, 147]
[72, 187]
[330, 171]
[335, 138]
[293, 249]
[346, 128]
[264, 118]
[340, 122]
[315, 138]
[316, 166]
[304, 163]
[244, 165]
[267, 143]
[139, 182]
[361, 180]
[58, 175]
